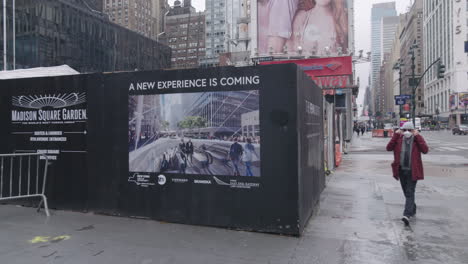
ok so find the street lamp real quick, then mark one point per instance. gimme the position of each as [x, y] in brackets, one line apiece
[398, 66]
[413, 82]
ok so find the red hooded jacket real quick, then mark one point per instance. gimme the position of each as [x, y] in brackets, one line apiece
[419, 146]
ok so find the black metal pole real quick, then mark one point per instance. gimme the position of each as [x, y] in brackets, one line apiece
[413, 67]
[399, 79]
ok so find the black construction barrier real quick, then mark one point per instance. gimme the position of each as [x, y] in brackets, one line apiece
[230, 147]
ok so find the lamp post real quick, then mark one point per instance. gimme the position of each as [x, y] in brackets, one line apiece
[398, 66]
[413, 82]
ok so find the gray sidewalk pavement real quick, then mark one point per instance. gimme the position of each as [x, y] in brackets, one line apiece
[358, 222]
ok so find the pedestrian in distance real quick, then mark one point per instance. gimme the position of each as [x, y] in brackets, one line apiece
[235, 153]
[356, 129]
[363, 129]
[247, 158]
[407, 145]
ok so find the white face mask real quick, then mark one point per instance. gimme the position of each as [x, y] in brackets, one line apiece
[407, 134]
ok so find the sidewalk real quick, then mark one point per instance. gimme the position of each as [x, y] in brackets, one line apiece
[358, 222]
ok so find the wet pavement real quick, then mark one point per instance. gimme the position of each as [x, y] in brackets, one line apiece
[358, 222]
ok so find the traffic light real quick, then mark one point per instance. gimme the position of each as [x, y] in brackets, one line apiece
[440, 70]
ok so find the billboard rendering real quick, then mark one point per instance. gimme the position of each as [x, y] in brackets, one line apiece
[317, 27]
[205, 133]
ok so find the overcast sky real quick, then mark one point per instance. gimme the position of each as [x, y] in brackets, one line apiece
[362, 17]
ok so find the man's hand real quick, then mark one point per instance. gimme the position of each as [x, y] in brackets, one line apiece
[306, 5]
[398, 131]
[415, 132]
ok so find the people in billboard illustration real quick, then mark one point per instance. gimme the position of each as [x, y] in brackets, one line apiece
[235, 153]
[248, 157]
[164, 162]
[207, 158]
[189, 149]
[313, 25]
[324, 26]
[182, 146]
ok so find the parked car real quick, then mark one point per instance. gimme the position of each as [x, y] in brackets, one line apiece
[460, 130]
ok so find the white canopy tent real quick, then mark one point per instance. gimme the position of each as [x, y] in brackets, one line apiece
[38, 72]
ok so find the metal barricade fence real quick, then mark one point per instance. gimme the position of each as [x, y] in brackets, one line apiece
[24, 176]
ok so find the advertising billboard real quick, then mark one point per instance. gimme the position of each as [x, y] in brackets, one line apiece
[183, 133]
[453, 100]
[463, 100]
[332, 72]
[314, 27]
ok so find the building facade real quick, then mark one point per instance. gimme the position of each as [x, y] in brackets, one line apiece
[224, 112]
[378, 12]
[143, 16]
[445, 32]
[215, 30]
[50, 33]
[411, 39]
[397, 66]
[237, 39]
[185, 35]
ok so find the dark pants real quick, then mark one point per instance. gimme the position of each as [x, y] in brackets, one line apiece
[409, 187]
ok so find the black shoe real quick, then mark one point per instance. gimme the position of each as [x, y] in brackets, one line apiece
[405, 220]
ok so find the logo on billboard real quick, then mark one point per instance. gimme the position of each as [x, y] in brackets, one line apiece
[237, 184]
[330, 66]
[49, 101]
[161, 179]
[179, 180]
[142, 180]
[333, 66]
[202, 181]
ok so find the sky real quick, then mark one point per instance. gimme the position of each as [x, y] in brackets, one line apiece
[362, 17]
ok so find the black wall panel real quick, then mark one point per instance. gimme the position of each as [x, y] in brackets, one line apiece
[288, 176]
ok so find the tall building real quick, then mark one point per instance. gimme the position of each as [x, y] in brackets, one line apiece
[445, 32]
[51, 33]
[237, 39]
[143, 16]
[215, 32]
[397, 63]
[185, 35]
[412, 36]
[378, 12]
[380, 90]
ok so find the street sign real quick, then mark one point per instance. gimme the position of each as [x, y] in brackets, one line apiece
[400, 101]
[262, 59]
[403, 96]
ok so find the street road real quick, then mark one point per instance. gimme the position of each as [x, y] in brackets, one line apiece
[445, 142]
[357, 222]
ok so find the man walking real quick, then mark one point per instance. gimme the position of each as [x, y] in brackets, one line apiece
[189, 149]
[235, 153]
[407, 145]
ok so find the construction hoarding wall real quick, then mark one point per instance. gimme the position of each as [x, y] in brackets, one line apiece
[49, 115]
[229, 147]
[317, 27]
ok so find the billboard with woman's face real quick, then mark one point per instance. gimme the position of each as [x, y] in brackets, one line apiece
[314, 26]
